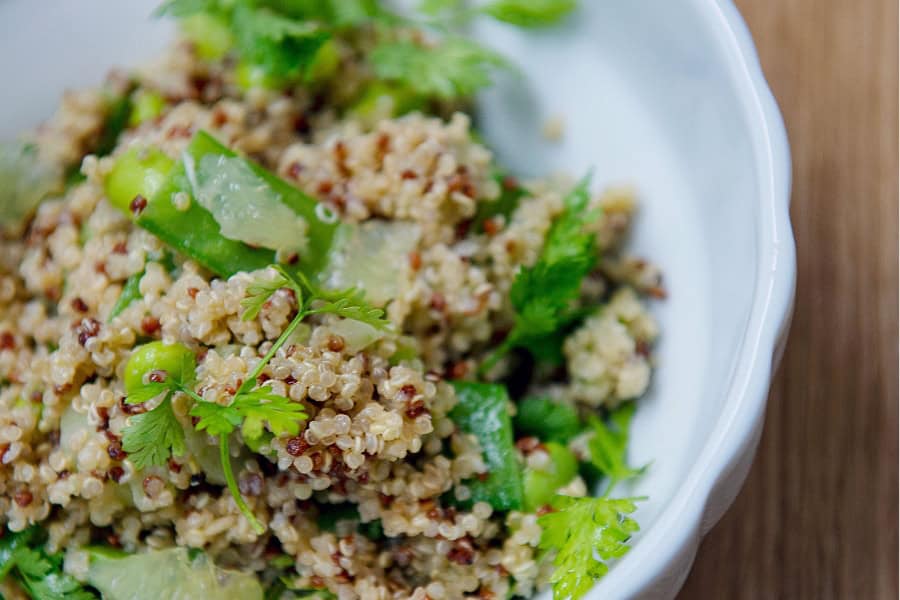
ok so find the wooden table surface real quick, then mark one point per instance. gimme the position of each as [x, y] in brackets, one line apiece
[817, 518]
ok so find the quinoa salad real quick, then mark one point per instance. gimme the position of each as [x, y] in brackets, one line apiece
[274, 323]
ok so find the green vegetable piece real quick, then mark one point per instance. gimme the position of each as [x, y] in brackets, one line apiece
[455, 68]
[38, 573]
[402, 100]
[26, 180]
[325, 64]
[147, 105]
[136, 172]
[131, 291]
[105, 552]
[176, 360]
[529, 13]
[586, 533]
[609, 446]
[170, 573]
[281, 45]
[544, 295]
[116, 122]
[482, 411]
[10, 543]
[546, 419]
[282, 561]
[276, 590]
[330, 514]
[195, 232]
[210, 35]
[250, 76]
[372, 530]
[541, 484]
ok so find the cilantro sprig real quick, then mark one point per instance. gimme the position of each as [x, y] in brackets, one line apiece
[283, 39]
[586, 533]
[39, 573]
[152, 437]
[157, 369]
[255, 409]
[544, 295]
[455, 68]
[280, 39]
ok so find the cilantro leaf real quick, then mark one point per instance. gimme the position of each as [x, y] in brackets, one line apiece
[455, 67]
[586, 533]
[347, 13]
[55, 585]
[544, 295]
[31, 563]
[547, 419]
[251, 411]
[529, 13]
[216, 419]
[153, 436]
[262, 406]
[350, 304]
[146, 392]
[258, 294]
[10, 543]
[280, 46]
[39, 573]
[280, 38]
[609, 445]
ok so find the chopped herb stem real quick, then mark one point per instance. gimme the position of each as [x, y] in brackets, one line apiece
[494, 357]
[258, 527]
[250, 382]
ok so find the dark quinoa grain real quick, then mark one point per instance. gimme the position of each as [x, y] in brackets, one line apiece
[137, 205]
[116, 473]
[296, 446]
[7, 341]
[23, 498]
[79, 305]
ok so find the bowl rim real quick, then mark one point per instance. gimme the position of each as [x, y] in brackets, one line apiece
[658, 565]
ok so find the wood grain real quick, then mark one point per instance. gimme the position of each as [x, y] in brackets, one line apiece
[818, 515]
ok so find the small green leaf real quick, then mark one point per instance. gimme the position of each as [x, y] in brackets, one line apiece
[587, 534]
[262, 407]
[131, 292]
[40, 574]
[456, 67]
[545, 294]
[547, 419]
[215, 419]
[152, 437]
[146, 392]
[258, 294]
[609, 445]
[529, 13]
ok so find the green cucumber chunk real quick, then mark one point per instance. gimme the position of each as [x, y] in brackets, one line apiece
[172, 574]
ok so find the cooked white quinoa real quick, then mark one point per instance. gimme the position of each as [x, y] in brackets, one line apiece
[378, 435]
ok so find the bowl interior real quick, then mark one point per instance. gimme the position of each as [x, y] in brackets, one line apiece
[647, 97]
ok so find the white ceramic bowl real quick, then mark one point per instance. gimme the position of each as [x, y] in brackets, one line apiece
[667, 95]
